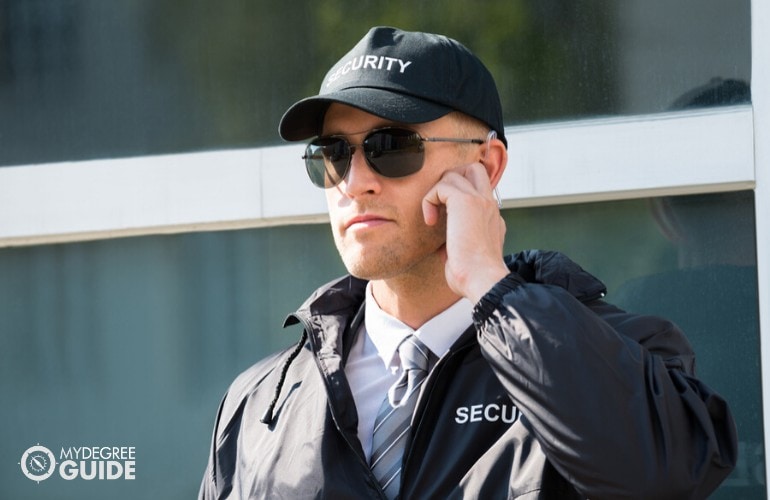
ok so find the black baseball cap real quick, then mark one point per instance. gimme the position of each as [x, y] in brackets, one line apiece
[403, 76]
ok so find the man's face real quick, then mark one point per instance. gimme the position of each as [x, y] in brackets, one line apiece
[378, 222]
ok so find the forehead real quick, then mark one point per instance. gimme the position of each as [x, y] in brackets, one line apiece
[341, 119]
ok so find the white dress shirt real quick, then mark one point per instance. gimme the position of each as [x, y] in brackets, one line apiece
[373, 364]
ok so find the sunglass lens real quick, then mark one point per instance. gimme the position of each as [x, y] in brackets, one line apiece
[327, 161]
[394, 152]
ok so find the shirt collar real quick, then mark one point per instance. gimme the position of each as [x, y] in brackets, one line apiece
[438, 333]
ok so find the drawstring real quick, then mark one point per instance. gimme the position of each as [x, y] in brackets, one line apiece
[267, 418]
[293, 319]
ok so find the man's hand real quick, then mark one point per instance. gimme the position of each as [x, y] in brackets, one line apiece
[475, 230]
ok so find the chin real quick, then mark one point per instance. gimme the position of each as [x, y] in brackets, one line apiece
[389, 259]
[365, 272]
[374, 267]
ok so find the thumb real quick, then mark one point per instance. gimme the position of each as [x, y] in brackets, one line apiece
[430, 213]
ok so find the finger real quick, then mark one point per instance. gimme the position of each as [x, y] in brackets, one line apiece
[434, 200]
[477, 175]
[437, 198]
[430, 212]
[472, 179]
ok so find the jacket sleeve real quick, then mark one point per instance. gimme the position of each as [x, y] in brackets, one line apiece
[206, 491]
[208, 488]
[611, 397]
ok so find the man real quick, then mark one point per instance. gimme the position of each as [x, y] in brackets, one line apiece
[439, 368]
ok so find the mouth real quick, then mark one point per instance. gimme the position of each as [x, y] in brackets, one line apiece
[365, 221]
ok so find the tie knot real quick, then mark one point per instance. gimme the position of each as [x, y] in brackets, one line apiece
[414, 354]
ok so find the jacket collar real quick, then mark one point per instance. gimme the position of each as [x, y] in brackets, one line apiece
[338, 301]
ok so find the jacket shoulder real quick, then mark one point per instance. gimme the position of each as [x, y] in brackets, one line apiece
[247, 383]
[216, 480]
[658, 335]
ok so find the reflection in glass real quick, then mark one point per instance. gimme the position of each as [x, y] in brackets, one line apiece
[82, 79]
[711, 294]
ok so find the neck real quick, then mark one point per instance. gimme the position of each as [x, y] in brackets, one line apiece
[414, 299]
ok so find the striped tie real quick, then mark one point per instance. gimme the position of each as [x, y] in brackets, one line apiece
[391, 427]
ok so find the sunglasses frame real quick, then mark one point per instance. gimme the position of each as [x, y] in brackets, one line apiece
[330, 183]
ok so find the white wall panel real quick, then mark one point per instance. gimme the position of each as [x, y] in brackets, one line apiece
[557, 163]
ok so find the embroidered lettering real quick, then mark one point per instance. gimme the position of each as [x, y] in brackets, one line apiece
[493, 412]
[369, 62]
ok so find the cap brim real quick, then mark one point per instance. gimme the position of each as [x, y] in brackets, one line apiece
[305, 118]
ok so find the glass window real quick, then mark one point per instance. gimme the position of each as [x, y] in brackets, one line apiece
[82, 79]
[133, 341]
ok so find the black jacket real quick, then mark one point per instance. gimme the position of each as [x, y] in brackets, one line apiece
[552, 393]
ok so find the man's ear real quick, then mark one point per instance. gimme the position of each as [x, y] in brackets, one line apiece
[494, 159]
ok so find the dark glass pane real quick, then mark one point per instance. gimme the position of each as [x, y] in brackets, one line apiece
[691, 259]
[82, 79]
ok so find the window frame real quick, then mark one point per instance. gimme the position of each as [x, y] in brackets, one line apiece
[760, 88]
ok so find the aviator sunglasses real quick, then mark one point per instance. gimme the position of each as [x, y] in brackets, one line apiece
[391, 152]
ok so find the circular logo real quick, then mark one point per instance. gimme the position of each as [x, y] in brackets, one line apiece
[38, 463]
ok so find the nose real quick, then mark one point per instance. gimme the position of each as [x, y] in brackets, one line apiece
[361, 179]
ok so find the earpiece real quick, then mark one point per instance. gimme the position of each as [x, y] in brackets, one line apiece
[490, 136]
